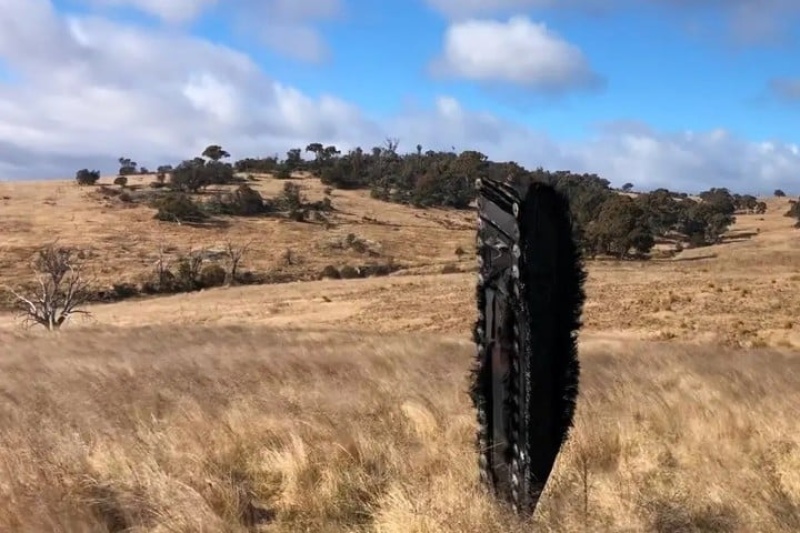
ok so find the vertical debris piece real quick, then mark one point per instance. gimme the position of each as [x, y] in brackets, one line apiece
[530, 297]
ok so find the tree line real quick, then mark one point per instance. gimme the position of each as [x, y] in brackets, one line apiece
[609, 221]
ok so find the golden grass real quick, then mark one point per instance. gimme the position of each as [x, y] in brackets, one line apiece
[225, 428]
[341, 405]
[741, 293]
[124, 241]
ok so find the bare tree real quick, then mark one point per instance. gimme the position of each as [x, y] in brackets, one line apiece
[234, 254]
[391, 144]
[189, 265]
[60, 292]
[164, 276]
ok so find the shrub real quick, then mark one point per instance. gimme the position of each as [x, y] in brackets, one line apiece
[247, 201]
[125, 290]
[330, 272]
[122, 181]
[349, 272]
[162, 281]
[87, 177]
[450, 268]
[355, 243]
[179, 208]
[378, 269]
[212, 275]
[188, 272]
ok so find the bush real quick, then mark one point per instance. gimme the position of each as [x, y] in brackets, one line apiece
[378, 269]
[87, 177]
[794, 209]
[330, 272]
[125, 290]
[161, 283]
[349, 272]
[450, 268]
[122, 181]
[697, 240]
[212, 275]
[355, 243]
[179, 208]
[247, 201]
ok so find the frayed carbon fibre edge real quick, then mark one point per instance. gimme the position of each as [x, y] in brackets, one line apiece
[547, 360]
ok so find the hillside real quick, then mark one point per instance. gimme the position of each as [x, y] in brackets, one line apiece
[339, 405]
[126, 239]
[739, 292]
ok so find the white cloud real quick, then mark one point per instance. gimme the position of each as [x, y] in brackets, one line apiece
[461, 8]
[286, 26]
[518, 51]
[183, 10]
[173, 11]
[749, 21]
[90, 90]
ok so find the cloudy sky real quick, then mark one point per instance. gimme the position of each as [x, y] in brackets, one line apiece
[686, 94]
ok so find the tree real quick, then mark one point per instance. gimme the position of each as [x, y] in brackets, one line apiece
[619, 227]
[215, 153]
[122, 181]
[127, 166]
[318, 150]
[704, 223]
[179, 208]
[217, 173]
[292, 200]
[628, 187]
[294, 161]
[661, 209]
[262, 165]
[60, 290]
[746, 202]
[779, 193]
[234, 253]
[246, 201]
[87, 177]
[189, 176]
[720, 199]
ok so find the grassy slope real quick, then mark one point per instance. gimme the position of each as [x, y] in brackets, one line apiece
[308, 406]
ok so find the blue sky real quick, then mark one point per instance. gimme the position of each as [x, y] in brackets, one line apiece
[659, 94]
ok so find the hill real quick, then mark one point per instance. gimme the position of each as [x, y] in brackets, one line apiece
[340, 404]
[739, 292]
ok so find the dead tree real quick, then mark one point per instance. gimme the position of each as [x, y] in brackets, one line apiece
[234, 254]
[60, 289]
[164, 278]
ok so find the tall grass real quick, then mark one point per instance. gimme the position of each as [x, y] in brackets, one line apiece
[247, 429]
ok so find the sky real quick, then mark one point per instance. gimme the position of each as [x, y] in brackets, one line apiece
[684, 94]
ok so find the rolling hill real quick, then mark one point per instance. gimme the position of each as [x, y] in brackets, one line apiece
[340, 404]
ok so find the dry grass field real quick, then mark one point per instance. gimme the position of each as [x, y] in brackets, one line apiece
[338, 406]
